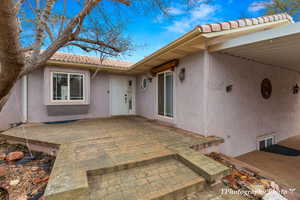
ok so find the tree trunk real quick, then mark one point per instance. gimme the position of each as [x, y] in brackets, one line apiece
[11, 57]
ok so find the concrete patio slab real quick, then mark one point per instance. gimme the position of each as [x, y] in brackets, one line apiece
[98, 147]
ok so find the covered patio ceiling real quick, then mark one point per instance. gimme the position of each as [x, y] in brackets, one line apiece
[278, 47]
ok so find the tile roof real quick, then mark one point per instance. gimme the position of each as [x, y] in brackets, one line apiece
[89, 60]
[70, 58]
[223, 26]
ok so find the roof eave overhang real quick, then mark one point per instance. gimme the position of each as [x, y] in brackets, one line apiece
[87, 66]
[255, 37]
[195, 41]
[277, 47]
[189, 43]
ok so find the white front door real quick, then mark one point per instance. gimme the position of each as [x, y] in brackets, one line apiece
[122, 95]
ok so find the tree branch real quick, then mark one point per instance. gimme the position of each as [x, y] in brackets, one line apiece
[100, 43]
[88, 48]
[31, 48]
[18, 5]
[49, 32]
[41, 26]
[127, 3]
[68, 36]
[62, 18]
[3, 101]
[83, 47]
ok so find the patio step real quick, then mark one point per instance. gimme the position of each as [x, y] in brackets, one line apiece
[179, 192]
[208, 168]
[168, 178]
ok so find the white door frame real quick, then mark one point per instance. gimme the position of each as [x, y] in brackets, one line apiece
[111, 77]
[161, 117]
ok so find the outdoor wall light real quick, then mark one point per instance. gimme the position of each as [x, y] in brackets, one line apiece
[229, 88]
[296, 89]
[181, 75]
[150, 79]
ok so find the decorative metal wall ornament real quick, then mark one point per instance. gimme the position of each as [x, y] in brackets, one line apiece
[266, 88]
[181, 75]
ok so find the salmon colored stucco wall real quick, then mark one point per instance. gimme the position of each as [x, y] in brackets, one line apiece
[12, 111]
[203, 105]
[243, 114]
[188, 97]
[98, 102]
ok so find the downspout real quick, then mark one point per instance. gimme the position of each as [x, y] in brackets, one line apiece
[24, 98]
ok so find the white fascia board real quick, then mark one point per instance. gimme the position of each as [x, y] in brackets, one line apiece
[279, 32]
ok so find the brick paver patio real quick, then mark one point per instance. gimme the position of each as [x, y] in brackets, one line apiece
[150, 181]
[93, 150]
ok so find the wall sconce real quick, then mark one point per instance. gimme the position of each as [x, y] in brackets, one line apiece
[150, 79]
[229, 88]
[181, 75]
[296, 89]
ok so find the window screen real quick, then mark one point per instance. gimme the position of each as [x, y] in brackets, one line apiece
[67, 87]
[60, 86]
[76, 87]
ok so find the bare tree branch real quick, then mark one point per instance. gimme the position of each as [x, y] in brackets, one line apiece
[41, 25]
[89, 49]
[100, 43]
[127, 3]
[18, 5]
[62, 18]
[31, 48]
[49, 32]
[3, 101]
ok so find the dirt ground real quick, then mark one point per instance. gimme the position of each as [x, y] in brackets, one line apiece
[25, 178]
[286, 168]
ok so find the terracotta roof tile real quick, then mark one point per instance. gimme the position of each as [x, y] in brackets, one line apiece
[234, 24]
[216, 27]
[244, 22]
[249, 22]
[89, 60]
[208, 28]
[255, 21]
[225, 25]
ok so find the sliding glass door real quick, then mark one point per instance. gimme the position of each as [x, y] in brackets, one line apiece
[165, 94]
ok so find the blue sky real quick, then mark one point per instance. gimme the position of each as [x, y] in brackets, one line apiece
[150, 33]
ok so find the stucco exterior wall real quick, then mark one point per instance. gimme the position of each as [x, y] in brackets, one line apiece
[188, 96]
[12, 111]
[243, 114]
[37, 110]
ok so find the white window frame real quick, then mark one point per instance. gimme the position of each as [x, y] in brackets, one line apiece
[165, 116]
[142, 83]
[68, 100]
[265, 139]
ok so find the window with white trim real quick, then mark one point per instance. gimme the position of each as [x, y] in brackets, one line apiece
[67, 86]
[265, 143]
[165, 93]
